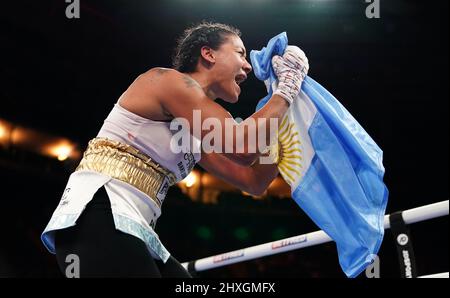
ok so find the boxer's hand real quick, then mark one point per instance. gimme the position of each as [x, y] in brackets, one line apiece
[295, 56]
[291, 70]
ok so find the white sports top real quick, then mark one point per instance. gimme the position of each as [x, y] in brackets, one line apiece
[150, 137]
[133, 211]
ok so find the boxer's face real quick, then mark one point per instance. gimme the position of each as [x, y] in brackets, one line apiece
[230, 68]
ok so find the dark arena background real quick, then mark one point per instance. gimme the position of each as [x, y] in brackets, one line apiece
[61, 76]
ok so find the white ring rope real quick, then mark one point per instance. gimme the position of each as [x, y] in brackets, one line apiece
[310, 239]
[436, 275]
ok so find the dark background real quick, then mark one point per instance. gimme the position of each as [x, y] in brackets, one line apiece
[62, 76]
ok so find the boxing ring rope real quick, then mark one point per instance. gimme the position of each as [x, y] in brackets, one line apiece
[410, 216]
[436, 275]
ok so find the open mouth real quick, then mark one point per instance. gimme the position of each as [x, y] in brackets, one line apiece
[240, 78]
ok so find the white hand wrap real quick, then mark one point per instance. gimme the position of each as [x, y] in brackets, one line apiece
[291, 70]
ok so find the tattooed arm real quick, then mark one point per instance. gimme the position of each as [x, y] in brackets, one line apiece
[164, 94]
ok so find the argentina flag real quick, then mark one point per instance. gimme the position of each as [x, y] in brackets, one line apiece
[334, 168]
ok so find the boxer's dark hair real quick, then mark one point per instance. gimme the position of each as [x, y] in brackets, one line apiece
[189, 44]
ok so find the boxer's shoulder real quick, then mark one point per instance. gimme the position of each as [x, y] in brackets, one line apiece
[163, 78]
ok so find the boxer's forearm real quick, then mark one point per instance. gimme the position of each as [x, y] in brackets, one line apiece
[254, 179]
[264, 175]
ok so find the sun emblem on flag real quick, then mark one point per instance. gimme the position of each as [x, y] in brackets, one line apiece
[290, 152]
